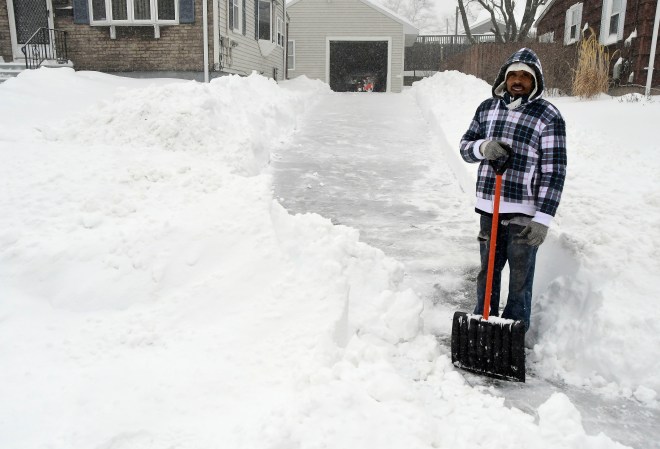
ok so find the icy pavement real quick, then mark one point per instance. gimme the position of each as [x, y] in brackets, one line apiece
[371, 162]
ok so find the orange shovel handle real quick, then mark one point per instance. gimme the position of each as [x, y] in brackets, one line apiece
[493, 245]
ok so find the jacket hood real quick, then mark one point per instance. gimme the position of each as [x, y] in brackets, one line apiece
[526, 56]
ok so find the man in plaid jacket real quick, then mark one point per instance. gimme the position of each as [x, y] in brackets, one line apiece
[516, 123]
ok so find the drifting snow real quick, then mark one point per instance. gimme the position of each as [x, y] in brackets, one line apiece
[155, 295]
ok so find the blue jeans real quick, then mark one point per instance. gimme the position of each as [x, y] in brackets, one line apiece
[522, 260]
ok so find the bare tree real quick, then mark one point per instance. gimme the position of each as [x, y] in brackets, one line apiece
[466, 25]
[417, 11]
[502, 11]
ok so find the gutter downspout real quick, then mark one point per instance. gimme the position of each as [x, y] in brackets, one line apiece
[654, 43]
[216, 36]
[205, 18]
[285, 75]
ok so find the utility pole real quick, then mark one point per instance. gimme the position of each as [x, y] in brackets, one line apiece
[456, 29]
[654, 42]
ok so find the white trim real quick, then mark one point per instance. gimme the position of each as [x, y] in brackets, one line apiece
[12, 28]
[545, 10]
[205, 38]
[216, 34]
[387, 39]
[408, 27]
[568, 24]
[13, 36]
[605, 37]
[238, 18]
[548, 37]
[270, 20]
[130, 20]
[280, 32]
[293, 55]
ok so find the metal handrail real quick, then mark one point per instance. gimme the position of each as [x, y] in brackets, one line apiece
[44, 45]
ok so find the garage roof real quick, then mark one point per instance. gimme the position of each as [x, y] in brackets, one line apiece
[410, 30]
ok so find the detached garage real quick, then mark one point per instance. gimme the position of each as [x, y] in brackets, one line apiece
[353, 45]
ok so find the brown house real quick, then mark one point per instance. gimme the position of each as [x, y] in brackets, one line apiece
[147, 37]
[624, 26]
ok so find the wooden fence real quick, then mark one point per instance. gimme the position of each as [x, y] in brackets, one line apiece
[429, 51]
[484, 61]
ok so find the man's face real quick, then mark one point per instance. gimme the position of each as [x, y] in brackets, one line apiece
[519, 83]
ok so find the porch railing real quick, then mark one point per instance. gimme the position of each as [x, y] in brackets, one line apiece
[46, 44]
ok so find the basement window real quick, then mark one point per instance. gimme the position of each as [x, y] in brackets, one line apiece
[134, 12]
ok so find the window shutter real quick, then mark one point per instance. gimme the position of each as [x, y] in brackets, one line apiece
[622, 21]
[567, 27]
[80, 11]
[187, 11]
[244, 17]
[256, 19]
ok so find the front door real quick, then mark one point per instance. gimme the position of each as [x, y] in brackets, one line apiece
[26, 17]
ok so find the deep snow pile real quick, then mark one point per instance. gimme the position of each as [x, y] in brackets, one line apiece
[154, 295]
[597, 275]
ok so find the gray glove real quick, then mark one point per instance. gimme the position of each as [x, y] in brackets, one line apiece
[533, 234]
[493, 149]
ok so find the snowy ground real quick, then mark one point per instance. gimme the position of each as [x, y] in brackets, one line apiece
[154, 294]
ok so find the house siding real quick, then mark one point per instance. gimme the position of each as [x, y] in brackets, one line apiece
[135, 49]
[5, 37]
[179, 49]
[639, 15]
[314, 21]
[247, 56]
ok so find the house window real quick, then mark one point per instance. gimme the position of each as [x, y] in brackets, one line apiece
[547, 38]
[166, 10]
[611, 29]
[280, 32]
[235, 12]
[615, 17]
[265, 20]
[573, 23]
[123, 12]
[291, 55]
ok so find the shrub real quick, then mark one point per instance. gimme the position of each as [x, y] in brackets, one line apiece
[592, 73]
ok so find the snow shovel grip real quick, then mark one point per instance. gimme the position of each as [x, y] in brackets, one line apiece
[499, 168]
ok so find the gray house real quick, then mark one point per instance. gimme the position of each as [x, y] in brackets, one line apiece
[353, 45]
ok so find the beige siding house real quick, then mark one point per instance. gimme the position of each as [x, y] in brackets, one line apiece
[353, 45]
[251, 37]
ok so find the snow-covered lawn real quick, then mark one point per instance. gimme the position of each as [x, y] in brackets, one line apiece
[154, 295]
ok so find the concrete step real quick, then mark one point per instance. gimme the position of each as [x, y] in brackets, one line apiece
[11, 69]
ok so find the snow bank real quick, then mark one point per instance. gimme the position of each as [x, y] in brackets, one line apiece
[154, 294]
[143, 271]
[598, 270]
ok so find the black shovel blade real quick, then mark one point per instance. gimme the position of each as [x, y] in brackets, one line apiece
[489, 348]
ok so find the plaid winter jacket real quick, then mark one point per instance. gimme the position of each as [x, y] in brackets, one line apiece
[533, 183]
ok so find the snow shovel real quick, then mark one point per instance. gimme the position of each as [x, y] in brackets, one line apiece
[495, 348]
